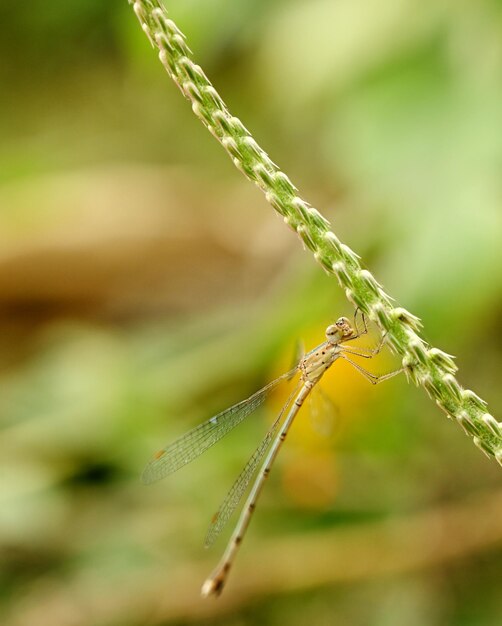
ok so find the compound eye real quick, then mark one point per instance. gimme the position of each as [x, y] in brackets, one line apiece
[341, 322]
[333, 334]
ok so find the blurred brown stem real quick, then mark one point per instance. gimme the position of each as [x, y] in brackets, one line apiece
[429, 539]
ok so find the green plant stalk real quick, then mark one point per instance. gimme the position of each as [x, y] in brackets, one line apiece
[429, 367]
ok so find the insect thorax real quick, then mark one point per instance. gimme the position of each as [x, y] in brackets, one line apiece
[313, 365]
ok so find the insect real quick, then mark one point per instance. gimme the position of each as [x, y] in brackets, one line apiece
[186, 448]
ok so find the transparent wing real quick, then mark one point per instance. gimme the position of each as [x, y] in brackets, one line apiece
[324, 413]
[237, 490]
[196, 441]
[299, 352]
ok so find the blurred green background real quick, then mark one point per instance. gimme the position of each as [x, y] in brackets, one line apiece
[145, 285]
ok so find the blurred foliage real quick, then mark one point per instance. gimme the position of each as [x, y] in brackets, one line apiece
[145, 286]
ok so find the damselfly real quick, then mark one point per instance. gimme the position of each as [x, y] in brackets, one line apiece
[196, 441]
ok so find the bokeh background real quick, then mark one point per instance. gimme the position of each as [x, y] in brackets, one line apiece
[145, 285]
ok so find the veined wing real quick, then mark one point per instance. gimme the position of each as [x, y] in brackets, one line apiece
[196, 441]
[237, 490]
